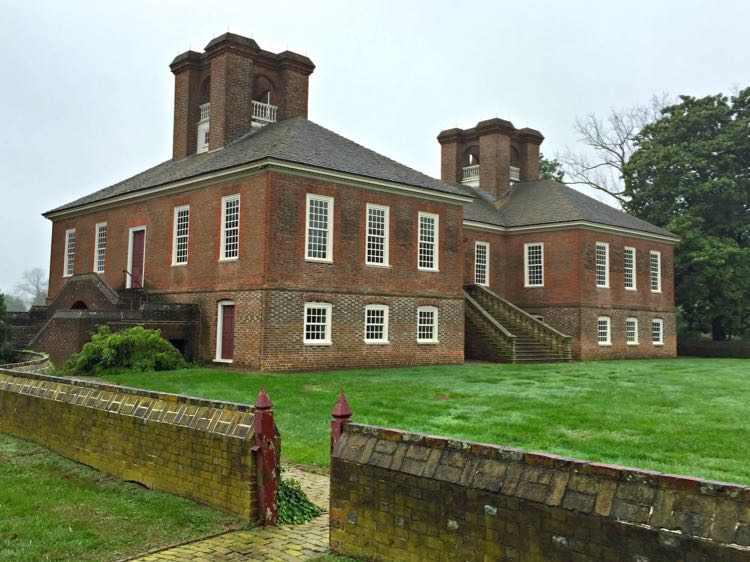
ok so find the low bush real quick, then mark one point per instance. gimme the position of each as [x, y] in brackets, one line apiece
[294, 506]
[134, 349]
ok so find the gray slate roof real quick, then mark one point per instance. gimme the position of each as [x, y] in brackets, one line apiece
[296, 140]
[547, 202]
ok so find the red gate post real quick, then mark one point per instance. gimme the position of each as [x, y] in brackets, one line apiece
[265, 459]
[342, 414]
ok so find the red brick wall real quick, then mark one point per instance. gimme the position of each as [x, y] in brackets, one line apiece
[348, 272]
[203, 271]
[570, 300]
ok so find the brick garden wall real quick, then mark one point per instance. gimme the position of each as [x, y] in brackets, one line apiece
[402, 496]
[191, 447]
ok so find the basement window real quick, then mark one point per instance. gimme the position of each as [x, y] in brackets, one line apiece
[631, 331]
[603, 332]
[427, 324]
[376, 323]
[317, 323]
[657, 331]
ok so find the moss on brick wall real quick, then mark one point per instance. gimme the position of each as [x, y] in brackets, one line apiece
[402, 496]
[194, 448]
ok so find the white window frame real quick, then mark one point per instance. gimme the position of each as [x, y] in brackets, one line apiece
[526, 270]
[608, 320]
[598, 266]
[635, 327]
[69, 257]
[224, 200]
[435, 243]
[654, 275]
[633, 269]
[177, 211]
[329, 228]
[386, 234]
[329, 313]
[435, 325]
[486, 265]
[100, 248]
[660, 323]
[377, 307]
[220, 328]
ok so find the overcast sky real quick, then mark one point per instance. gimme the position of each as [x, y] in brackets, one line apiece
[86, 96]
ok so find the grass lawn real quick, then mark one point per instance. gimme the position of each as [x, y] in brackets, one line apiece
[685, 416]
[54, 509]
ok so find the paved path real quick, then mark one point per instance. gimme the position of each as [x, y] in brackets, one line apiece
[275, 544]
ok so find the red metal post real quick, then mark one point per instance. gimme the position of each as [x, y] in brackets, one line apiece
[266, 459]
[342, 414]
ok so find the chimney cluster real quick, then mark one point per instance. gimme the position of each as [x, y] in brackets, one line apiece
[492, 155]
[232, 86]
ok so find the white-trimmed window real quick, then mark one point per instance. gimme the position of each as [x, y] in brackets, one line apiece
[100, 247]
[655, 268]
[376, 323]
[428, 236]
[602, 264]
[230, 227]
[603, 330]
[657, 331]
[180, 233]
[533, 258]
[427, 324]
[317, 323]
[376, 251]
[70, 252]
[631, 331]
[319, 228]
[482, 263]
[628, 267]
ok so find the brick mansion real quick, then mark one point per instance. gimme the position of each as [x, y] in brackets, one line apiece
[272, 243]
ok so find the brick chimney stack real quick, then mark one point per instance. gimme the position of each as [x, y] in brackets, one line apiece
[231, 87]
[493, 155]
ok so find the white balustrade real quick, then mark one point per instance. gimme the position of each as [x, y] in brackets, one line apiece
[205, 111]
[264, 112]
[515, 173]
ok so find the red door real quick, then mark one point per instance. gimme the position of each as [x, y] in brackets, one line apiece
[137, 258]
[227, 332]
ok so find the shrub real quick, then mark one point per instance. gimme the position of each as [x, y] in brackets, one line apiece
[294, 506]
[134, 349]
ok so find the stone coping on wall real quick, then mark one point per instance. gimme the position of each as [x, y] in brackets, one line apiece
[30, 359]
[12, 371]
[703, 509]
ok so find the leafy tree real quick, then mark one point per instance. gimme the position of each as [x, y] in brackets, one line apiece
[34, 285]
[6, 331]
[690, 173]
[550, 169]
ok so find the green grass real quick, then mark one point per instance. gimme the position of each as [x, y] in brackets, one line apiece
[54, 509]
[685, 416]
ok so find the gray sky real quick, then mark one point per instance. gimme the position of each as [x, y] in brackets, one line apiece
[86, 96]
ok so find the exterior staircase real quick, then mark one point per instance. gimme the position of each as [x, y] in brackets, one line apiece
[499, 331]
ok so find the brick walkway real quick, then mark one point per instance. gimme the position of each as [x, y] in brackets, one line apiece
[283, 543]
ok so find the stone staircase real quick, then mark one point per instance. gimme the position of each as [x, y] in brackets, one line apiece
[499, 331]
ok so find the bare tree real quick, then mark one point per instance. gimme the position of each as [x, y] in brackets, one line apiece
[613, 143]
[34, 285]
